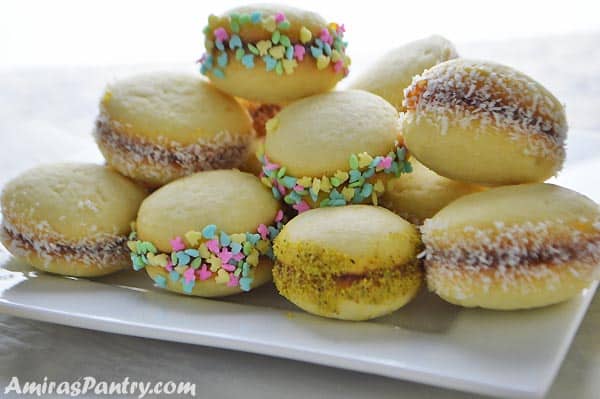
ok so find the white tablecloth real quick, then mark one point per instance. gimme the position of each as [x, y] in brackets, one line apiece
[40, 107]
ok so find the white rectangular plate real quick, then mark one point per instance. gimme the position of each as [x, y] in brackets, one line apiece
[508, 354]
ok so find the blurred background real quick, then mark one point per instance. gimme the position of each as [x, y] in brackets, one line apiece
[56, 56]
[63, 32]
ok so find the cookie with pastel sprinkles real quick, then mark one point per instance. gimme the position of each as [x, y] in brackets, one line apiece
[273, 54]
[333, 149]
[209, 234]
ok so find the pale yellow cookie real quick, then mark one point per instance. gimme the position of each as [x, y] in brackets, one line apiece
[353, 263]
[70, 218]
[333, 149]
[273, 54]
[191, 234]
[316, 135]
[484, 123]
[422, 193]
[158, 127]
[513, 247]
[390, 74]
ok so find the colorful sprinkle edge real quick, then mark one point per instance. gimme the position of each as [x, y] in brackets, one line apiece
[208, 254]
[278, 54]
[354, 186]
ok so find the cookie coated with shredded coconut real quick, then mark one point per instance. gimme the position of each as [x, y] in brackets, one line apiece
[478, 95]
[168, 158]
[98, 251]
[514, 254]
[89, 204]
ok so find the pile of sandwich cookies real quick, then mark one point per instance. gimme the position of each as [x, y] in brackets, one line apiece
[429, 171]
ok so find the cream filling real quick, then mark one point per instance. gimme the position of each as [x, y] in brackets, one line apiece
[224, 151]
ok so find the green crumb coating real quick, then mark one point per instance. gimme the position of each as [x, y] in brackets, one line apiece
[313, 285]
[314, 258]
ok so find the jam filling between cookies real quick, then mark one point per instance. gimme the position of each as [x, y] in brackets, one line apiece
[225, 151]
[477, 93]
[347, 279]
[101, 251]
[585, 249]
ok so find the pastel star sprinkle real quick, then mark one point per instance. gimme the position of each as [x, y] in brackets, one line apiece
[299, 52]
[279, 216]
[305, 35]
[193, 237]
[177, 244]
[278, 52]
[228, 267]
[213, 246]
[189, 275]
[225, 255]
[357, 185]
[326, 36]
[160, 281]
[255, 17]
[270, 62]
[248, 61]
[204, 273]
[220, 34]
[385, 163]
[208, 254]
[222, 277]
[209, 231]
[245, 283]
[262, 230]
[233, 280]
[235, 42]
[301, 207]
[269, 24]
[279, 17]
[323, 62]
[188, 286]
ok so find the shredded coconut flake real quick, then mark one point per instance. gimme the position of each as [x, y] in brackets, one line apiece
[170, 159]
[101, 250]
[87, 204]
[472, 94]
[512, 254]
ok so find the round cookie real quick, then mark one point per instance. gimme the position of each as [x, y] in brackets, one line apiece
[513, 247]
[333, 149]
[273, 54]
[352, 263]
[70, 218]
[208, 234]
[422, 193]
[484, 123]
[392, 73]
[158, 127]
